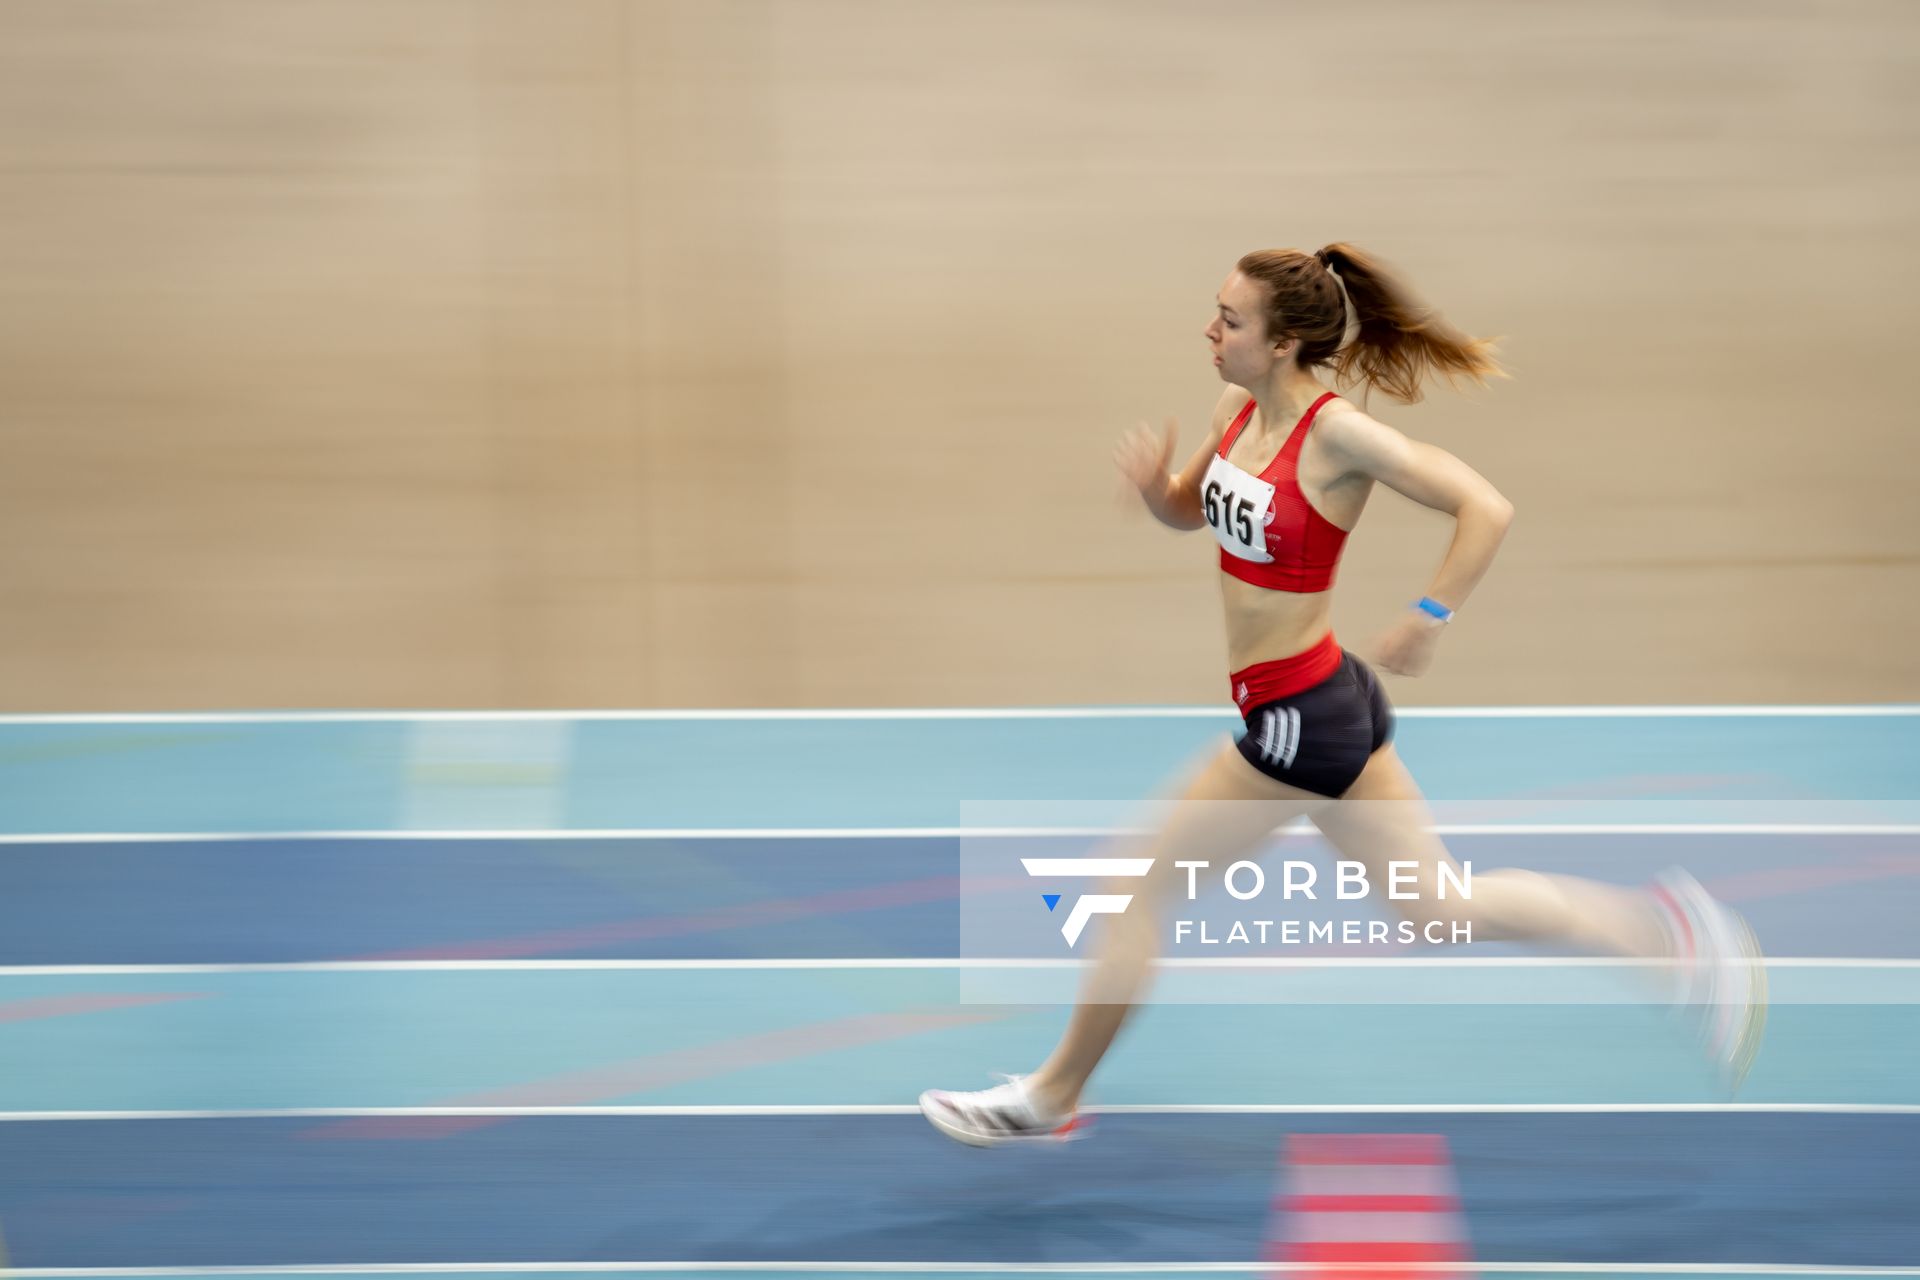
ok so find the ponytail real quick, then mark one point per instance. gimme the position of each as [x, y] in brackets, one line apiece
[1397, 341]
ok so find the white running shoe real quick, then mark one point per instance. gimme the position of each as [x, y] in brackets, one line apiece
[992, 1117]
[1722, 974]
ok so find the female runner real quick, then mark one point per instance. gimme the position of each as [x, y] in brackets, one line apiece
[1282, 480]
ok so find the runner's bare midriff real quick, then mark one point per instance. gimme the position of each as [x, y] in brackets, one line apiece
[1265, 625]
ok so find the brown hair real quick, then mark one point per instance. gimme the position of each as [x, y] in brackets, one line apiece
[1398, 340]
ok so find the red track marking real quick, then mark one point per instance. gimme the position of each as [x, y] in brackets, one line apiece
[99, 1002]
[1385, 1202]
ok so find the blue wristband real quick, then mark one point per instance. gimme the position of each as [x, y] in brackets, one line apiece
[1433, 608]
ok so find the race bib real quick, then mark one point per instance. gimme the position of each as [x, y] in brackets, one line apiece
[1238, 507]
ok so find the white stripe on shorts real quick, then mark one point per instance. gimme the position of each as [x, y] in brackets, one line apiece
[1280, 736]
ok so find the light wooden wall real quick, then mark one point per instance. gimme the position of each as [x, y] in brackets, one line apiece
[476, 353]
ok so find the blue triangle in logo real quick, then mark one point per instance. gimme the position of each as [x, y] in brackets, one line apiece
[1051, 899]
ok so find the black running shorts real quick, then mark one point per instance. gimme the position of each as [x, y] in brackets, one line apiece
[1321, 738]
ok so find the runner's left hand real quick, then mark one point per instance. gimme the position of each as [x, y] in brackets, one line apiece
[1408, 646]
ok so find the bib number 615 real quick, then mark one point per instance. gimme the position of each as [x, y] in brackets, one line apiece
[1238, 513]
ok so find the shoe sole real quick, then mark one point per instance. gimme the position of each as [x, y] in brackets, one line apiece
[1724, 938]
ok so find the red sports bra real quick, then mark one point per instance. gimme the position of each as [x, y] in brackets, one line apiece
[1269, 533]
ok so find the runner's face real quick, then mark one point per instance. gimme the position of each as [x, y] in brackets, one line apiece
[1237, 333]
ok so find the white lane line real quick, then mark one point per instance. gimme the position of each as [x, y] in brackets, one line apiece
[619, 833]
[1220, 712]
[803, 1110]
[1850, 829]
[906, 962]
[968, 1268]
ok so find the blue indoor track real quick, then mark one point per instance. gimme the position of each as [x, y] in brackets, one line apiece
[548, 995]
